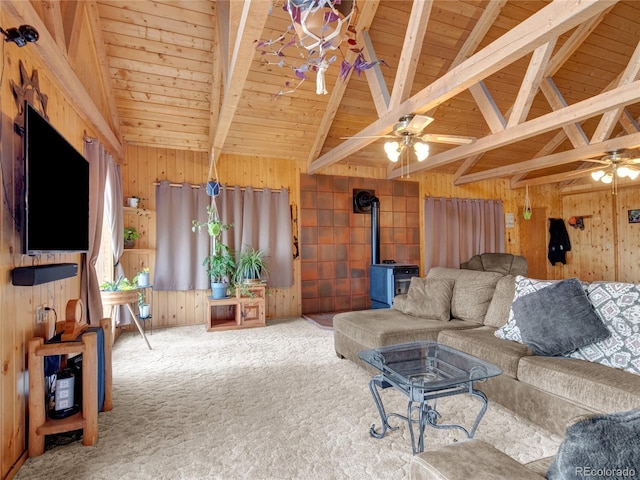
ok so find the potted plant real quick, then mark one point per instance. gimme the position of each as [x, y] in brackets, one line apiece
[143, 306]
[133, 201]
[130, 236]
[221, 268]
[251, 265]
[220, 264]
[122, 283]
[142, 278]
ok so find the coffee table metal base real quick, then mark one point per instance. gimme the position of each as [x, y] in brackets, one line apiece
[424, 403]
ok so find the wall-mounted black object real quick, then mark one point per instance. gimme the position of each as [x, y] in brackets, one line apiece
[35, 275]
[362, 200]
[21, 35]
[56, 190]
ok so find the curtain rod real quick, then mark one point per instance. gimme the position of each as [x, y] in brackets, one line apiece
[223, 187]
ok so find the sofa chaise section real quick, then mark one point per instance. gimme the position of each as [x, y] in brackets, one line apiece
[469, 296]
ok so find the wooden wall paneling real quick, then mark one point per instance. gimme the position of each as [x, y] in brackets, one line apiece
[18, 304]
[628, 244]
[597, 260]
[534, 241]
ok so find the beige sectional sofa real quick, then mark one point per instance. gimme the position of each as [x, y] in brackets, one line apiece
[550, 391]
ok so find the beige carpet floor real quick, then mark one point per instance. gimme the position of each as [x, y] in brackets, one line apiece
[264, 403]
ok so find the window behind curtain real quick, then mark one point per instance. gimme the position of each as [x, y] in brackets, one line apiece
[261, 219]
[458, 228]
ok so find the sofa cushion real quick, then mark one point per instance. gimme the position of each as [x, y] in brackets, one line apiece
[386, 326]
[482, 343]
[590, 385]
[558, 319]
[472, 291]
[606, 446]
[523, 286]
[498, 311]
[618, 306]
[428, 298]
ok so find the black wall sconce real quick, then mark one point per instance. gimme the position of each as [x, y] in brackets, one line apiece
[21, 35]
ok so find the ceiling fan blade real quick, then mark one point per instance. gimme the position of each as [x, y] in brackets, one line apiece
[371, 136]
[597, 160]
[418, 123]
[452, 139]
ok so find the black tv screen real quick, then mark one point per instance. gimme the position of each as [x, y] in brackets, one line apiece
[56, 190]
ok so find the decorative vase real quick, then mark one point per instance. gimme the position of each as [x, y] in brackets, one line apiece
[219, 290]
[129, 243]
[133, 202]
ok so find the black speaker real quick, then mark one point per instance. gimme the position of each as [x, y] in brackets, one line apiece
[30, 276]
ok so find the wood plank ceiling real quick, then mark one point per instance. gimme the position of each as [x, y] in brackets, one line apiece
[542, 85]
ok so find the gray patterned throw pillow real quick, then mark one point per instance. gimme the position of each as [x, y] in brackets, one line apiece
[618, 305]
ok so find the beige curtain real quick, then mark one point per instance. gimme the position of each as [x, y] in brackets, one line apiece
[262, 220]
[99, 160]
[179, 251]
[458, 228]
[113, 200]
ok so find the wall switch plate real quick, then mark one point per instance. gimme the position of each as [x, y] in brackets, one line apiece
[509, 220]
[41, 315]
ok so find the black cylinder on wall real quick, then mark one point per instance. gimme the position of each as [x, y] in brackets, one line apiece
[375, 230]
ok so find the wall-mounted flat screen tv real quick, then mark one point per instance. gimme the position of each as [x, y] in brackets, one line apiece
[56, 190]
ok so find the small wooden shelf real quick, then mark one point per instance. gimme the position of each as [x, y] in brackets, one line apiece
[85, 420]
[244, 311]
[138, 211]
[141, 251]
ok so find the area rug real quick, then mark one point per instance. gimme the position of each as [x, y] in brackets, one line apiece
[263, 403]
[322, 319]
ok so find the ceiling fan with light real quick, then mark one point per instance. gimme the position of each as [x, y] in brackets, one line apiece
[408, 132]
[616, 164]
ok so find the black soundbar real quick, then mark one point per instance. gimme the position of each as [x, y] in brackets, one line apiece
[30, 276]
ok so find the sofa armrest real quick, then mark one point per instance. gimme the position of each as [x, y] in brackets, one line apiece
[468, 459]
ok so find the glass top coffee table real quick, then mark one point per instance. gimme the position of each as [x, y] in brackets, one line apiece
[425, 371]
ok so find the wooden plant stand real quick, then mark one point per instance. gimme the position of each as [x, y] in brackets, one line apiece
[240, 311]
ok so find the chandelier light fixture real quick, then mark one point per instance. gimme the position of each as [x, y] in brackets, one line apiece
[394, 149]
[617, 166]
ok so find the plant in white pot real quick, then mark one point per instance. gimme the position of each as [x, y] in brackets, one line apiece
[220, 264]
[143, 306]
[251, 265]
[142, 277]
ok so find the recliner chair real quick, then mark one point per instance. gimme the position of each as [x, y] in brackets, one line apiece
[505, 263]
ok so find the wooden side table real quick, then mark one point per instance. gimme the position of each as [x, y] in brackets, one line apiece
[87, 418]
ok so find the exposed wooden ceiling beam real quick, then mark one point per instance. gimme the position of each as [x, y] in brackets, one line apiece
[410, 53]
[50, 55]
[610, 118]
[531, 83]
[560, 158]
[548, 23]
[52, 18]
[375, 78]
[103, 62]
[365, 17]
[216, 79]
[252, 21]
